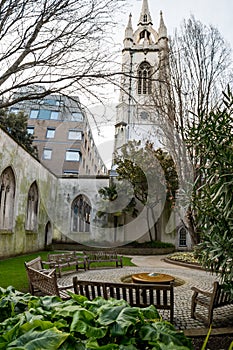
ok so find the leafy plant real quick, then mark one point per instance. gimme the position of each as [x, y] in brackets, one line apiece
[186, 257]
[16, 126]
[34, 323]
[215, 203]
[150, 244]
[152, 175]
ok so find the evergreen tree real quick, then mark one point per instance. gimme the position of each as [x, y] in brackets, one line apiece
[16, 126]
[214, 203]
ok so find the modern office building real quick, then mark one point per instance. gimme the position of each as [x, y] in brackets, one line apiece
[63, 135]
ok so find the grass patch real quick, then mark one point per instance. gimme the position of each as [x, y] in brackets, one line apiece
[13, 273]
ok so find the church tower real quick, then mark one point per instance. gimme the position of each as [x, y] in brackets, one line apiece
[144, 67]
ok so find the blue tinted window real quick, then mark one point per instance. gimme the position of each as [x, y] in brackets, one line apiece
[34, 113]
[51, 102]
[44, 114]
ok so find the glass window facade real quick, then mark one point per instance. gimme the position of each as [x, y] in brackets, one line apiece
[30, 130]
[50, 133]
[51, 102]
[73, 155]
[75, 135]
[54, 115]
[34, 113]
[45, 114]
[47, 153]
[77, 116]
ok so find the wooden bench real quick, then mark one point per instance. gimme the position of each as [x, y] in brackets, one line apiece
[141, 295]
[45, 283]
[64, 260]
[102, 256]
[218, 297]
[36, 264]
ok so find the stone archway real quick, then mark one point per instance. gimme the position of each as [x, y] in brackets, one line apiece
[32, 208]
[48, 235]
[7, 198]
[81, 212]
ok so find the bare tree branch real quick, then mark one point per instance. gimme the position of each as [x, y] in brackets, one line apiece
[56, 44]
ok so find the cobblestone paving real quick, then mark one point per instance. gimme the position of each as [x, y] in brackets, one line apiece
[223, 317]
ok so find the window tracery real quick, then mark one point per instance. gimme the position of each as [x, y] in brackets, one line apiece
[7, 196]
[32, 208]
[144, 79]
[81, 212]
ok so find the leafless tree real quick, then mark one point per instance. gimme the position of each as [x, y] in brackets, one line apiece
[61, 45]
[198, 70]
[201, 68]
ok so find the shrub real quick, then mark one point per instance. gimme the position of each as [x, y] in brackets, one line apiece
[29, 322]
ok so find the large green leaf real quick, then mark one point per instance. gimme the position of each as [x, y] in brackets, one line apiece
[172, 346]
[93, 344]
[36, 324]
[150, 312]
[84, 315]
[147, 333]
[127, 347]
[96, 304]
[34, 340]
[166, 334]
[101, 324]
[120, 318]
[89, 331]
[80, 299]
[67, 311]
[84, 323]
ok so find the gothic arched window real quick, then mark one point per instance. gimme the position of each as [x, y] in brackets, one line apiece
[7, 196]
[32, 208]
[182, 237]
[145, 18]
[144, 78]
[81, 212]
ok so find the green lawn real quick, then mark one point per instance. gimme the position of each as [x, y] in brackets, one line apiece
[13, 273]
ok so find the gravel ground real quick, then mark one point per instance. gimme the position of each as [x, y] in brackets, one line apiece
[214, 343]
[182, 293]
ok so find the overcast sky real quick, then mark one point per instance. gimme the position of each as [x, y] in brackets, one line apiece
[216, 12]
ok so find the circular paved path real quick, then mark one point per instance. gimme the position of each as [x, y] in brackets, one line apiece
[223, 317]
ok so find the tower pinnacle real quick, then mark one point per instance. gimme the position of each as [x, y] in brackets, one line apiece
[145, 17]
[128, 40]
[129, 29]
[162, 27]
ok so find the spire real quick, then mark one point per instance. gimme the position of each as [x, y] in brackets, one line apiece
[128, 40]
[162, 27]
[129, 29]
[145, 17]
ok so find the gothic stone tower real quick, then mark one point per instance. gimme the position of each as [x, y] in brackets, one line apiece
[144, 66]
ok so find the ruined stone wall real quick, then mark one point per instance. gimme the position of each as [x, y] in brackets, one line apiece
[55, 194]
[26, 169]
